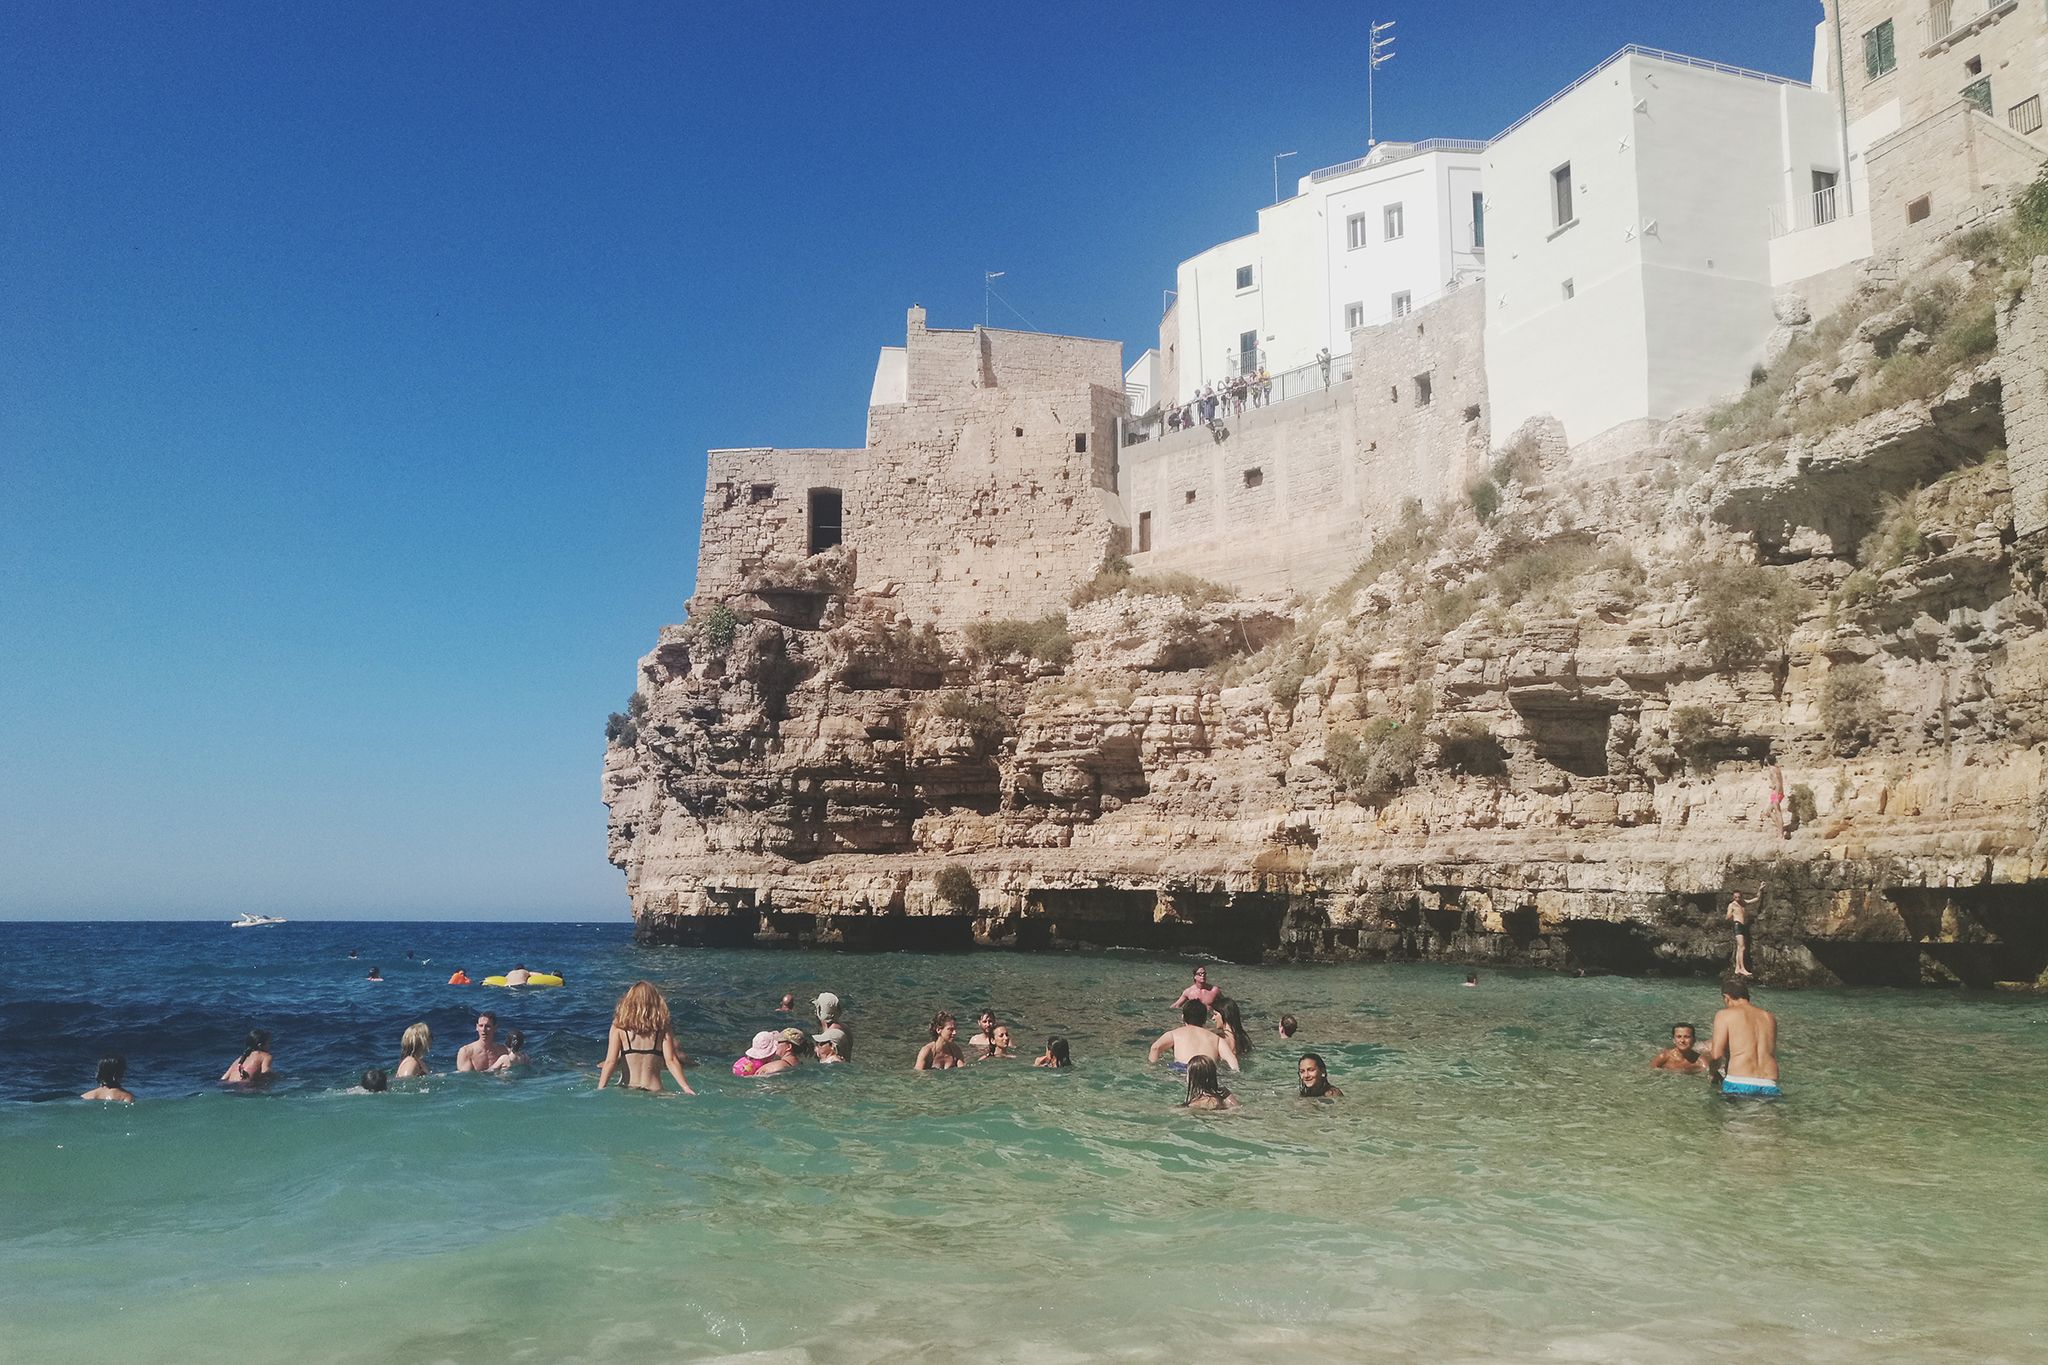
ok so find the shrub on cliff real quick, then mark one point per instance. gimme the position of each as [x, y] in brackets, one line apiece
[1897, 538]
[1804, 806]
[718, 627]
[1116, 577]
[1467, 747]
[1045, 639]
[983, 721]
[1374, 763]
[955, 888]
[1750, 612]
[623, 727]
[1696, 736]
[1851, 708]
[1287, 682]
[1484, 495]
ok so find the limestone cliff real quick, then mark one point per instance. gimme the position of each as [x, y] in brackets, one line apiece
[1533, 726]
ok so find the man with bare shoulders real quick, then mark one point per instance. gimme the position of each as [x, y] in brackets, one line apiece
[483, 1054]
[1200, 990]
[1744, 1053]
[1683, 1054]
[1193, 1039]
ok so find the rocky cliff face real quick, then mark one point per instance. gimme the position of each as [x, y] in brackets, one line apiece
[1534, 726]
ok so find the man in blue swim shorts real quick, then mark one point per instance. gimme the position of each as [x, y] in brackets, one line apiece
[1744, 1053]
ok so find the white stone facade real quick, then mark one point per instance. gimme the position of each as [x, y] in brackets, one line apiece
[1628, 272]
[1357, 244]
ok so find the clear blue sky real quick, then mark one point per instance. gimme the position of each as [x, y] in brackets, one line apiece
[357, 362]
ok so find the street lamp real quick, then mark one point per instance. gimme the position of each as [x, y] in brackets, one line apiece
[1277, 159]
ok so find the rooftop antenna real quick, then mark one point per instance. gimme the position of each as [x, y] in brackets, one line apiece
[1379, 51]
[988, 281]
[1278, 157]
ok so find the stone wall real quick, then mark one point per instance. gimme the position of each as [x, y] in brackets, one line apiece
[2022, 341]
[1287, 498]
[2010, 52]
[989, 491]
[1961, 163]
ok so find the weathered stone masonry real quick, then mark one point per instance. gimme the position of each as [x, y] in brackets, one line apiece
[987, 488]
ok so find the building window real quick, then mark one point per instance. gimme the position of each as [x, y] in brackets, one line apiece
[1974, 66]
[1423, 390]
[760, 492]
[1244, 277]
[1400, 305]
[1978, 93]
[1354, 316]
[1080, 443]
[1355, 230]
[1395, 222]
[2025, 117]
[1478, 221]
[1248, 352]
[1561, 195]
[826, 527]
[1568, 289]
[1879, 57]
[1144, 532]
[1919, 209]
[1254, 477]
[1188, 496]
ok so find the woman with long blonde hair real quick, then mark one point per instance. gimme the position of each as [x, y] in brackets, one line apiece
[413, 1045]
[640, 1036]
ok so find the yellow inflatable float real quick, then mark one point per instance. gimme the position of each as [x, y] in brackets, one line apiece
[536, 979]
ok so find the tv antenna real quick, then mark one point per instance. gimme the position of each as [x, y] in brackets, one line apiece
[1379, 51]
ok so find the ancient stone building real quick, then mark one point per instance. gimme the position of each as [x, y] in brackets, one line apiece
[986, 488]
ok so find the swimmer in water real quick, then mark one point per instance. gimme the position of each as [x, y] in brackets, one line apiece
[788, 1053]
[828, 1047]
[1199, 989]
[482, 1054]
[255, 1062]
[1000, 1044]
[788, 1005]
[1683, 1054]
[458, 977]
[374, 975]
[1744, 1053]
[113, 1071]
[1230, 1025]
[412, 1051]
[941, 1053]
[375, 1082]
[1056, 1056]
[1203, 1090]
[518, 976]
[984, 1031]
[641, 1040]
[1315, 1079]
[1471, 978]
[1287, 1026]
[515, 1052]
[1193, 1039]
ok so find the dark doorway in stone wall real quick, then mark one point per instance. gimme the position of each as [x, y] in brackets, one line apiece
[1569, 734]
[1604, 946]
[827, 527]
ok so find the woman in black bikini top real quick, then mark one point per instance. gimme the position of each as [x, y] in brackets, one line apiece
[642, 1013]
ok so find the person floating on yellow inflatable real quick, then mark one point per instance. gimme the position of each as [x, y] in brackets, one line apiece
[461, 978]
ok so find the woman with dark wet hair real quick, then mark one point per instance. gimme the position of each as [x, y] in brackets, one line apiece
[113, 1071]
[1315, 1079]
[255, 1062]
[1204, 1092]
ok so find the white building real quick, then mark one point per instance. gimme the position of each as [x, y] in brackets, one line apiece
[1629, 270]
[1141, 383]
[1358, 244]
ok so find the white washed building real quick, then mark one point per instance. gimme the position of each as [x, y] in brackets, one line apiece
[1358, 244]
[1629, 265]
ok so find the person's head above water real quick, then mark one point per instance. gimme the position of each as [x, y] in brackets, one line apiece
[788, 1001]
[1194, 1012]
[375, 1080]
[257, 1041]
[415, 1041]
[1735, 988]
[1201, 976]
[827, 1005]
[515, 1040]
[1056, 1048]
[1287, 1026]
[486, 1026]
[1202, 1077]
[986, 1020]
[943, 1025]
[1683, 1036]
[1471, 978]
[112, 1069]
[1315, 1077]
[641, 1010]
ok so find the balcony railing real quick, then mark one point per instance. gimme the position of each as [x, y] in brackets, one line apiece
[1951, 21]
[1941, 20]
[1814, 210]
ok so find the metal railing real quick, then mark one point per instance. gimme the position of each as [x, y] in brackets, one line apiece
[1655, 54]
[1823, 209]
[1817, 209]
[1400, 152]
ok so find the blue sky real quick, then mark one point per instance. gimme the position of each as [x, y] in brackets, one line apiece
[357, 362]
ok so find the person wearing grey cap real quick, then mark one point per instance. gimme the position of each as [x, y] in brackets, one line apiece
[829, 1043]
[827, 1005]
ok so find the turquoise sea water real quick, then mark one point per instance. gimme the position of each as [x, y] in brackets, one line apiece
[1505, 1180]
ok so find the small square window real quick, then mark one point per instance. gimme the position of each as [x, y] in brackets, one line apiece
[1355, 231]
[1019, 431]
[1080, 443]
[1254, 477]
[1244, 277]
[1400, 305]
[1188, 496]
[760, 492]
[1354, 316]
[1395, 221]
[1919, 209]
[1974, 66]
[1568, 289]
[1424, 390]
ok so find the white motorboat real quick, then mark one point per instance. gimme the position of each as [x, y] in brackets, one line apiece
[249, 921]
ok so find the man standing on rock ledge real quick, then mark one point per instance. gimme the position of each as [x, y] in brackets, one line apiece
[1744, 1053]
